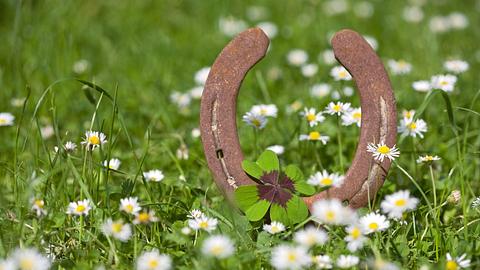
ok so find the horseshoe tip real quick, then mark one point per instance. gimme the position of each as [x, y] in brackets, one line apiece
[344, 36]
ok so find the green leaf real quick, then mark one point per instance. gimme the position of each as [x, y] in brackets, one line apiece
[258, 210]
[268, 161]
[252, 168]
[296, 210]
[294, 173]
[278, 213]
[304, 188]
[246, 196]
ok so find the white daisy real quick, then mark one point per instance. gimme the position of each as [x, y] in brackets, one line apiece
[195, 213]
[399, 67]
[30, 259]
[17, 102]
[381, 150]
[182, 152]
[348, 91]
[458, 20]
[201, 75]
[113, 164]
[277, 149]
[182, 100]
[421, 86]
[347, 261]
[290, 257]
[374, 222]
[294, 107]
[267, 110]
[355, 238]
[117, 229]
[274, 227]
[328, 57]
[79, 208]
[7, 264]
[412, 128]
[145, 217]
[320, 90]
[130, 205]
[47, 131]
[6, 119]
[311, 236]
[439, 24]
[231, 26]
[94, 139]
[38, 205]
[339, 73]
[81, 66]
[352, 116]
[455, 66]
[322, 262]
[153, 260]
[218, 246]
[476, 202]
[364, 9]
[153, 176]
[70, 146]
[338, 108]
[427, 159]
[372, 42]
[186, 230]
[257, 121]
[203, 223]
[412, 14]
[312, 117]
[195, 133]
[325, 179]
[196, 92]
[269, 28]
[408, 114]
[297, 57]
[309, 70]
[443, 82]
[314, 136]
[397, 203]
[331, 211]
[456, 263]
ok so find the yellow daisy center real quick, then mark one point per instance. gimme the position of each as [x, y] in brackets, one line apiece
[94, 140]
[216, 250]
[412, 126]
[152, 263]
[330, 215]
[291, 257]
[263, 111]
[342, 74]
[80, 208]
[357, 115]
[117, 227]
[373, 226]
[326, 181]
[337, 107]
[400, 202]
[256, 122]
[451, 265]
[428, 158]
[383, 149]
[129, 208]
[443, 83]
[26, 264]
[355, 233]
[311, 117]
[203, 224]
[314, 135]
[3, 121]
[408, 114]
[39, 203]
[144, 217]
[275, 229]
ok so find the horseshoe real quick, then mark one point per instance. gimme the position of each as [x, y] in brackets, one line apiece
[218, 114]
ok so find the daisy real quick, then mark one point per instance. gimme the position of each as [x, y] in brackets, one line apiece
[348, 91]
[372, 42]
[408, 114]
[320, 90]
[290, 257]
[325, 179]
[186, 230]
[381, 150]
[113, 164]
[195, 133]
[439, 24]
[182, 152]
[412, 128]
[201, 76]
[6, 119]
[145, 217]
[454, 197]
[456, 263]
[427, 159]
[458, 20]
[421, 86]
[413, 14]
[328, 57]
[269, 28]
[130, 205]
[294, 107]
[257, 121]
[399, 67]
[153, 176]
[203, 223]
[81, 66]
[352, 116]
[297, 57]
[196, 92]
[38, 205]
[153, 260]
[182, 100]
[443, 82]
[314, 136]
[94, 139]
[70, 146]
[218, 246]
[7, 264]
[30, 259]
[476, 203]
[79, 208]
[117, 229]
[374, 222]
[267, 110]
[339, 73]
[455, 66]
[338, 108]
[274, 227]
[231, 26]
[47, 132]
[309, 70]
[312, 117]
[195, 213]
[277, 149]
[311, 236]
[397, 203]
[347, 261]
[331, 211]
[17, 102]
[355, 238]
[322, 261]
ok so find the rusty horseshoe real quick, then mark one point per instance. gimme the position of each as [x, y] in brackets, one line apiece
[218, 114]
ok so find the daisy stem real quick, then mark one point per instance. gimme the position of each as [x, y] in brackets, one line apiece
[339, 140]
[80, 230]
[317, 156]
[433, 187]
[255, 140]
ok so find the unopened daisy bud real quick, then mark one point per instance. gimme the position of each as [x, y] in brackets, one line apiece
[454, 197]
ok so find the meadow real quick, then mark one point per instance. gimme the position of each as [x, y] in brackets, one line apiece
[102, 164]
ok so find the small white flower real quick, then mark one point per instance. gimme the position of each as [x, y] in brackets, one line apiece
[81, 66]
[381, 150]
[130, 205]
[256, 13]
[399, 67]
[195, 133]
[201, 76]
[309, 70]
[328, 57]
[182, 100]
[277, 149]
[294, 107]
[312, 117]
[79, 208]
[145, 217]
[38, 205]
[218, 246]
[257, 121]
[231, 26]
[186, 230]
[325, 179]
[70, 146]
[290, 257]
[455, 66]
[364, 9]
[314, 136]
[427, 159]
[443, 82]
[456, 263]
[94, 139]
[196, 92]
[30, 259]
[320, 90]
[421, 86]
[195, 213]
[439, 24]
[412, 128]
[6, 119]
[17, 102]
[113, 164]
[331, 211]
[458, 20]
[117, 229]
[203, 223]
[397, 203]
[297, 57]
[339, 73]
[335, 7]
[182, 152]
[311, 236]
[153, 176]
[269, 28]
[347, 261]
[408, 114]
[274, 227]
[413, 14]
[7, 264]
[322, 261]
[476, 203]
[267, 110]
[352, 116]
[153, 260]
[47, 131]
[374, 222]
[355, 238]
[454, 197]
[348, 91]
[338, 108]
[372, 42]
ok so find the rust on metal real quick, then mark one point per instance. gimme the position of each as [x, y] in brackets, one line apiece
[218, 114]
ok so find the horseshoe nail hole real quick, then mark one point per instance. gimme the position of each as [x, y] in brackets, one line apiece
[219, 153]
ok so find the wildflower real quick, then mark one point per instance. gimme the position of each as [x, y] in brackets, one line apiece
[79, 208]
[231, 26]
[186, 230]
[30, 259]
[314, 136]
[7, 264]
[117, 229]
[456, 263]
[112, 164]
[443, 82]
[153, 260]
[364, 9]
[458, 20]
[81, 66]
[17, 102]
[381, 150]
[372, 42]
[339, 73]
[195, 133]
[294, 107]
[182, 152]
[320, 90]
[47, 132]
[381, 264]
[274, 227]
[196, 92]
[6, 119]
[476, 203]
[348, 91]
[399, 67]
[277, 149]
[70, 146]
[322, 261]
[218, 246]
[454, 197]
[309, 70]
[347, 261]
[331, 211]
[267, 110]
[312, 117]
[334, 7]
[421, 86]
[338, 108]
[38, 205]
[269, 28]
[290, 257]
[325, 179]
[439, 24]
[397, 203]
[94, 139]
[328, 57]
[182, 100]
[374, 222]
[352, 116]
[153, 176]
[145, 217]
[413, 14]
[195, 213]
[427, 159]
[297, 57]
[130, 205]
[408, 115]
[311, 236]
[412, 128]
[355, 238]
[203, 223]
[455, 66]
[255, 120]
[201, 75]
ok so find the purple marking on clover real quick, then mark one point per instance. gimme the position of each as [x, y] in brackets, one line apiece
[275, 189]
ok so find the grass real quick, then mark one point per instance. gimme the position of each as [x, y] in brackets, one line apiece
[140, 52]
